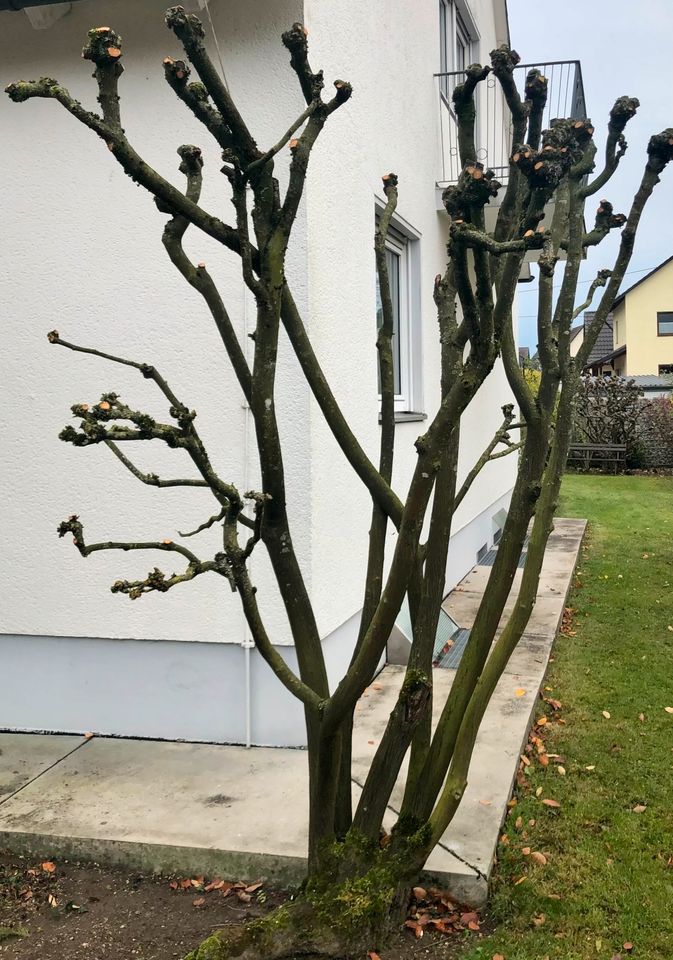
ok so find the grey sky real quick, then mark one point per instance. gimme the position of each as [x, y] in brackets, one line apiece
[624, 48]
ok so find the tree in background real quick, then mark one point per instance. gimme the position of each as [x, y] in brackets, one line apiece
[358, 875]
[611, 410]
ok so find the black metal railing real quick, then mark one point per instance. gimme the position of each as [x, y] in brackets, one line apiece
[565, 98]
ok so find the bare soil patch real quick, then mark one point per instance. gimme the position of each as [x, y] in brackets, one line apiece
[56, 909]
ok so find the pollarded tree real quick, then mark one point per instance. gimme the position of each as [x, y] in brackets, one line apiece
[356, 885]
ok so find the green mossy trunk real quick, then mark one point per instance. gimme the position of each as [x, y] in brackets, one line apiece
[355, 904]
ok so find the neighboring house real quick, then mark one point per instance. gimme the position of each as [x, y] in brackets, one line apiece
[642, 328]
[576, 338]
[524, 356]
[84, 254]
[597, 363]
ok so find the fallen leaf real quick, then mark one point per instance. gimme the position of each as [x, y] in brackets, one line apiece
[199, 902]
[591, 767]
[469, 917]
[525, 760]
[416, 927]
[197, 881]
[497, 956]
[185, 884]
[541, 722]
[606, 714]
[544, 759]
[370, 742]
[485, 803]
[53, 902]
[519, 692]
[641, 717]
[520, 880]
[214, 885]
[243, 896]
[473, 925]
[562, 771]
[525, 851]
[373, 956]
[420, 893]
[548, 802]
[377, 686]
[668, 709]
[539, 920]
[539, 858]
[640, 808]
[49, 867]
[173, 885]
[531, 823]
[253, 887]
[519, 823]
[628, 947]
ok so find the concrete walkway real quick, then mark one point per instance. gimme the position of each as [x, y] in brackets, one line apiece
[195, 808]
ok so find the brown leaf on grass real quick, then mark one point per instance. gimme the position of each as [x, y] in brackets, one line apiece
[199, 902]
[497, 956]
[49, 866]
[185, 884]
[640, 808]
[253, 887]
[519, 823]
[473, 925]
[548, 802]
[415, 926]
[539, 920]
[668, 709]
[539, 858]
[641, 717]
[544, 759]
[607, 714]
[525, 851]
[373, 956]
[628, 947]
[420, 893]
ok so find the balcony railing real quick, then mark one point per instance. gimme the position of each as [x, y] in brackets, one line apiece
[565, 98]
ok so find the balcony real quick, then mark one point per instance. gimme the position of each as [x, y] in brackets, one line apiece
[565, 98]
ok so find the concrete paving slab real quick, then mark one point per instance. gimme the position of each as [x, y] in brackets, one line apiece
[179, 795]
[24, 756]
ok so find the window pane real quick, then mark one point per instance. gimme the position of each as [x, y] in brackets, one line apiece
[665, 324]
[393, 262]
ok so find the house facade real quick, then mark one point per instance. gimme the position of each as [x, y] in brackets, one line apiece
[640, 342]
[87, 259]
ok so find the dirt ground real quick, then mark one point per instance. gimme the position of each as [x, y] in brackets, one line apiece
[67, 911]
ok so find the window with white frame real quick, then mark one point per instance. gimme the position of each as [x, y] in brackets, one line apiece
[457, 36]
[402, 258]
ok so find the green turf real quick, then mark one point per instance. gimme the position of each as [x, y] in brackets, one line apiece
[609, 876]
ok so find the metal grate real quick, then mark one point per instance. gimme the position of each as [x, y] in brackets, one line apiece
[451, 654]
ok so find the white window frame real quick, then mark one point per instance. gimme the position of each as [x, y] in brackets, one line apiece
[404, 242]
[455, 23]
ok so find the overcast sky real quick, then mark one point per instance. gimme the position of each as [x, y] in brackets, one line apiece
[624, 48]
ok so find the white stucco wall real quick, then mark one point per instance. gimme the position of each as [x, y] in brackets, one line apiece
[86, 258]
[391, 124]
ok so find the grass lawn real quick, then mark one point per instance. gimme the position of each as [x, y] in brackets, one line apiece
[608, 880]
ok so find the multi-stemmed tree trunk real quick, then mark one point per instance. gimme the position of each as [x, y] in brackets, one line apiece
[358, 875]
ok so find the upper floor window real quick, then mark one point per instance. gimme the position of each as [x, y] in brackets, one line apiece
[665, 324]
[457, 36]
